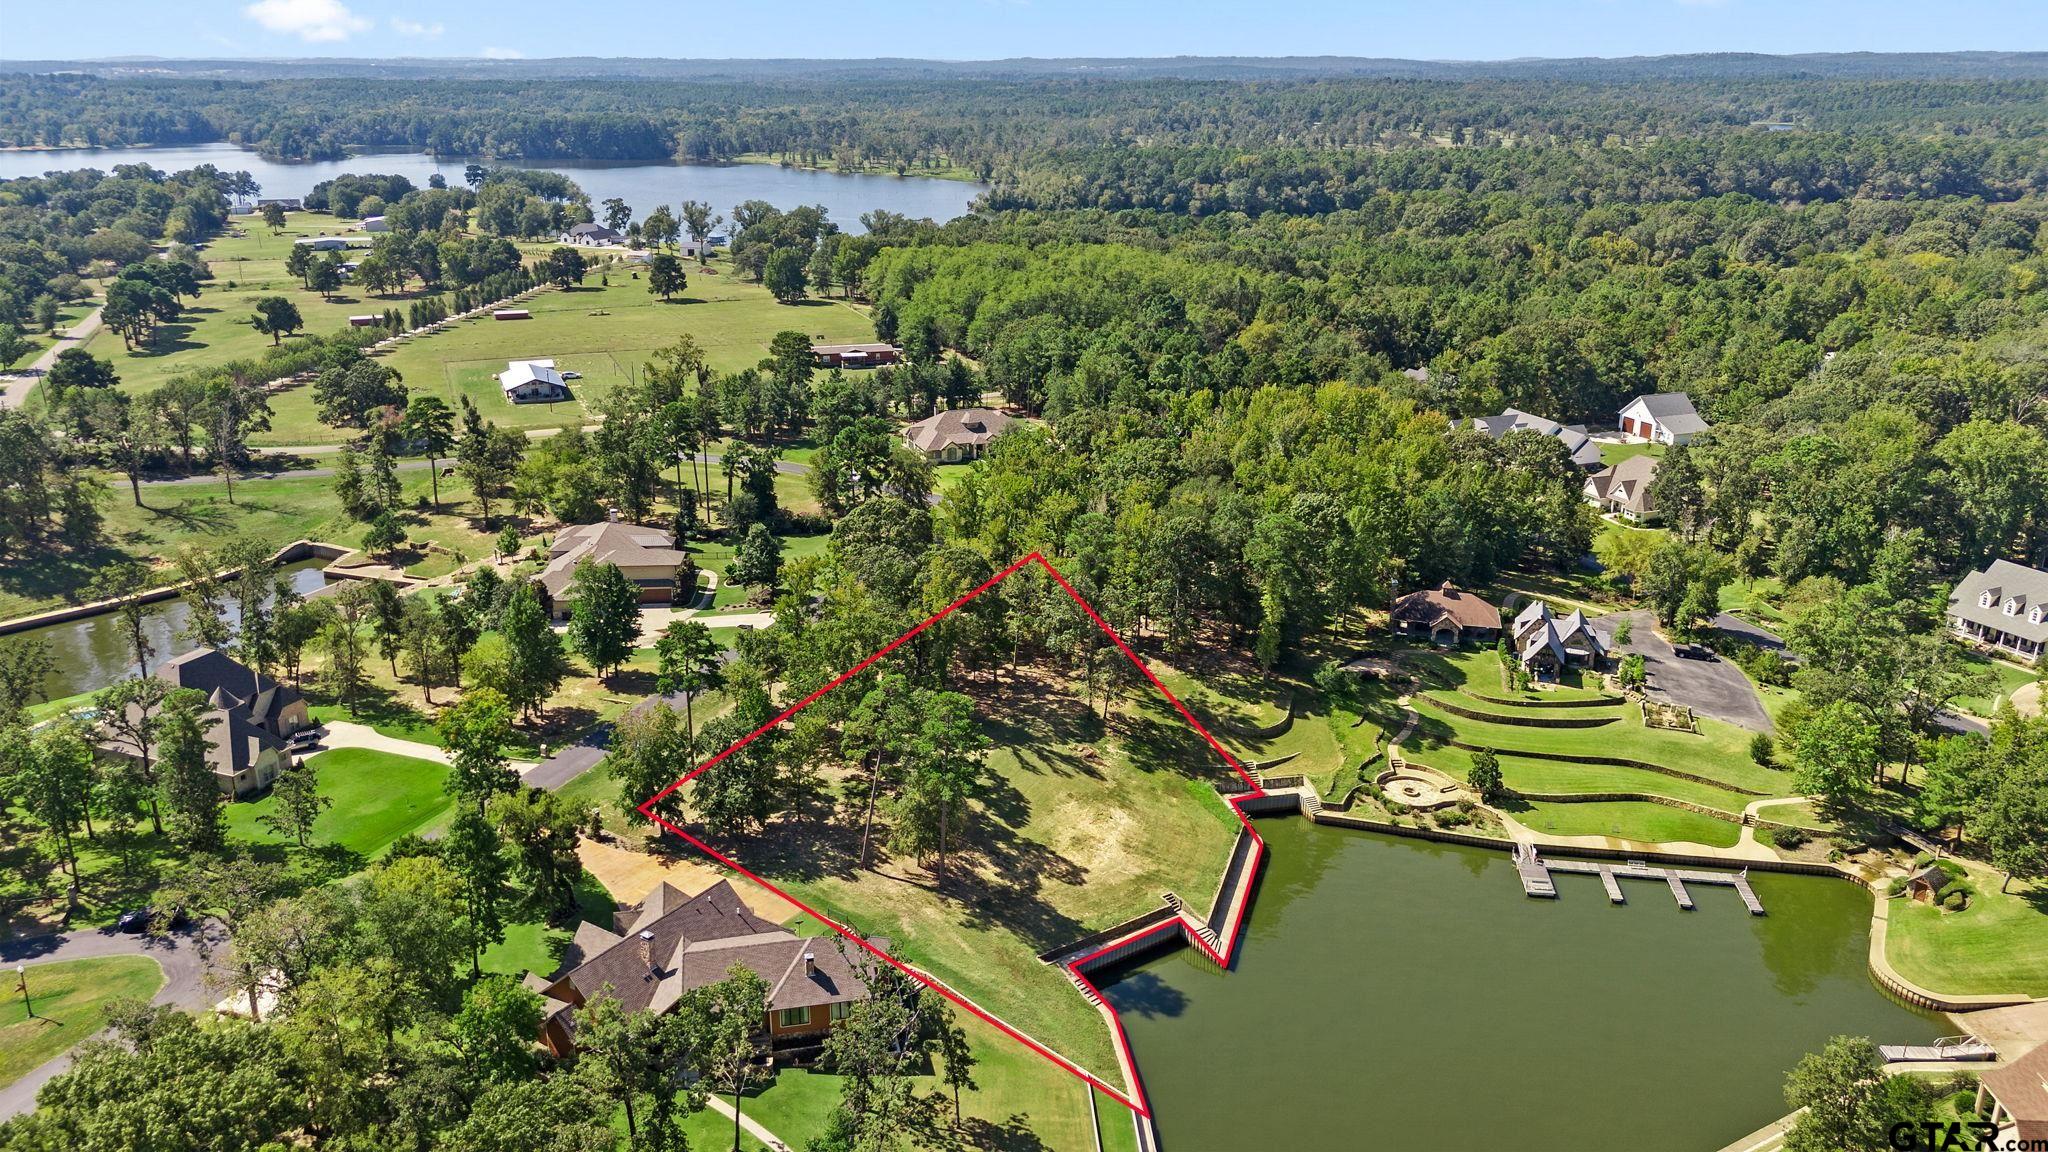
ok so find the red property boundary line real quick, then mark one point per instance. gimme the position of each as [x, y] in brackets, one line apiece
[1135, 1101]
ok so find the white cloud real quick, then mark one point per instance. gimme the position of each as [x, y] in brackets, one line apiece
[314, 21]
[405, 27]
[501, 54]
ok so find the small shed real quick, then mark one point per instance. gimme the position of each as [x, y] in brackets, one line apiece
[365, 321]
[511, 314]
[1926, 883]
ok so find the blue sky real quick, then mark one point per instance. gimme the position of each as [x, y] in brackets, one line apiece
[983, 29]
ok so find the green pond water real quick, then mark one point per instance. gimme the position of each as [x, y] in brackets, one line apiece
[1401, 994]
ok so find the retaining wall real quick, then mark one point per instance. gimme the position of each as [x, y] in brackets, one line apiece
[1602, 702]
[1614, 761]
[291, 553]
[1519, 721]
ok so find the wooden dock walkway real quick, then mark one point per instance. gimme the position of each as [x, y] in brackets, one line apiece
[1945, 1049]
[1536, 879]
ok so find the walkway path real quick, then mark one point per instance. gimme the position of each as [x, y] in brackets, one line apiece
[747, 1122]
[14, 387]
[348, 734]
[1746, 849]
[177, 953]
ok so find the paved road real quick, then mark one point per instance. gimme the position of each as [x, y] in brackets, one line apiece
[585, 754]
[1714, 688]
[14, 388]
[1756, 634]
[177, 953]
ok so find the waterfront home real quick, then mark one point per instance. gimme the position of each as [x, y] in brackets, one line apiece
[1623, 489]
[1446, 614]
[591, 235]
[2003, 608]
[1583, 451]
[249, 719]
[2016, 1099]
[1662, 418]
[1547, 643]
[532, 382]
[956, 435]
[648, 557]
[855, 355]
[670, 944]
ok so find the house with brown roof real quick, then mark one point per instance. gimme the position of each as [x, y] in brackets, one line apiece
[249, 719]
[1623, 488]
[2016, 1099]
[957, 434]
[1446, 615]
[671, 944]
[648, 557]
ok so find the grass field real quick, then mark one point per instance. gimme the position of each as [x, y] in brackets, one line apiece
[71, 999]
[1080, 828]
[605, 333]
[377, 798]
[2009, 678]
[1629, 820]
[1611, 454]
[1998, 944]
[215, 328]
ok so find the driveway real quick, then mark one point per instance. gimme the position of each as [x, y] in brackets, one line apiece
[177, 953]
[587, 753]
[1714, 688]
[14, 387]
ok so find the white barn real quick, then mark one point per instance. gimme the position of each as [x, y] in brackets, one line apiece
[532, 381]
[1663, 418]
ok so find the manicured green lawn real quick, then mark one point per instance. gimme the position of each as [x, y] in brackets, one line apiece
[1560, 778]
[1630, 820]
[1615, 453]
[1325, 741]
[2010, 678]
[533, 945]
[71, 999]
[377, 798]
[1998, 944]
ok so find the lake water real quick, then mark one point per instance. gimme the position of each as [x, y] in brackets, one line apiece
[844, 195]
[92, 652]
[1403, 994]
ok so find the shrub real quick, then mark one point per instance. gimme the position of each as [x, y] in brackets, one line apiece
[1762, 748]
[1790, 839]
[1955, 901]
[1895, 886]
[1452, 819]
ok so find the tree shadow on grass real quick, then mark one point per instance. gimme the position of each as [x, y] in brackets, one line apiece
[1011, 1135]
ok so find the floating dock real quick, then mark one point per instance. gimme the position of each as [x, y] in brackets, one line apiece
[1946, 1048]
[1535, 873]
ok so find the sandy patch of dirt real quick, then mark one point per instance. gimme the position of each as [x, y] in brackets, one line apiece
[629, 876]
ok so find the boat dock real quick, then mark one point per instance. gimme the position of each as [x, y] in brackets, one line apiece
[1535, 873]
[1946, 1048]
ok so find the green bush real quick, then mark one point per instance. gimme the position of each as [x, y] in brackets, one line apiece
[1762, 748]
[1790, 839]
[1452, 819]
[1955, 901]
[1895, 886]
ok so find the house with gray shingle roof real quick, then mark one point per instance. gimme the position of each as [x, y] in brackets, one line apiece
[1547, 643]
[1623, 488]
[2003, 608]
[1584, 452]
[671, 944]
[249, 719]
[1662, 418]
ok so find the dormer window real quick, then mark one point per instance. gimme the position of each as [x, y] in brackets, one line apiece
[2012, 606]
[2036, 614]
[1984, 601]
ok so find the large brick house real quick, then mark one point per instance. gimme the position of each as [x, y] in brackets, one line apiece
[671, 944]
[2004, 608]
[648, 557]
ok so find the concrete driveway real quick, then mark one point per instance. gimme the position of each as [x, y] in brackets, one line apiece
[177, 953]
[1714, 688]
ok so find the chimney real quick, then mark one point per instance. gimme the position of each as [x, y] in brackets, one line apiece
[647, 949]
[810, 964]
